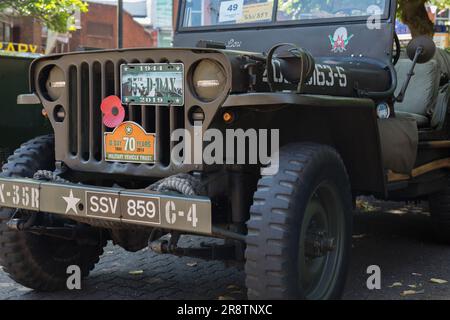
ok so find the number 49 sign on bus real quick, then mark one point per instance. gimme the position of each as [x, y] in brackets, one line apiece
[231, 10]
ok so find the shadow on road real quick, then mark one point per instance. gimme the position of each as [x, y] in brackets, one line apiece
[396, 237]
[400, 240]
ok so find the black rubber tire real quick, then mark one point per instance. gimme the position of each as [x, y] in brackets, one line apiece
[439, 204]
[276, 217]
[37, 261]
[4, 154]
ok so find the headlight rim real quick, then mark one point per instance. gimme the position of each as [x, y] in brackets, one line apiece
[221, 85]
[43, 79]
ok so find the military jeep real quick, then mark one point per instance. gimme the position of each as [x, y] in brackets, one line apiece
[346, 112]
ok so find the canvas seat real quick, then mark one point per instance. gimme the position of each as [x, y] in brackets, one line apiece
[421, 121]
[421, 96]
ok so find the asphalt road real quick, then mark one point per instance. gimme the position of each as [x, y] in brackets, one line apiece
[396, 237]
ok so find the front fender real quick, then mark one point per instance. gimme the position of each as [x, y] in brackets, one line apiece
[347, 124]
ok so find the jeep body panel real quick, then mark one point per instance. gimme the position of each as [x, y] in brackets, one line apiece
[18, 123]
[328, 120]
[312, 34]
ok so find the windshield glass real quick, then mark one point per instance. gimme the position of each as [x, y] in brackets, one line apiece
[323, 9]
[199, 13]
[203, 13]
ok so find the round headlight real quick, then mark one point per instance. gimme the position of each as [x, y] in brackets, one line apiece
[55, 83]
[208, 80]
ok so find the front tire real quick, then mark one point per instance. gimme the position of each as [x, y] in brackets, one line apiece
[299, 231]
[37, 261]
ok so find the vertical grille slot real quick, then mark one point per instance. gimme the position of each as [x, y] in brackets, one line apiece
[108, 89]
[96, 122]
[118, 85]
[176, 121]
[117, 77]
[109, 79]
[148, 118]
[134, 113]
[73, 117]
[83, 112]
[162, 135]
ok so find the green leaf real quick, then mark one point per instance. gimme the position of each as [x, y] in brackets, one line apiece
[57, 15]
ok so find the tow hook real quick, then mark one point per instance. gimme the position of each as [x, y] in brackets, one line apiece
[16, 224]
[317, 244]
[21, 224]
[83, 235]
[226, 251]
[162, 246]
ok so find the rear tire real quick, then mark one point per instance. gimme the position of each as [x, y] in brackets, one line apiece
[307, 202]
[36, 261]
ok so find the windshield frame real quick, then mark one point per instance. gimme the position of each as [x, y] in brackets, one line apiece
[274, 23]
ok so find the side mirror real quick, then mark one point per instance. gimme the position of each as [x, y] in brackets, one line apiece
[419, 50]
[423, 46]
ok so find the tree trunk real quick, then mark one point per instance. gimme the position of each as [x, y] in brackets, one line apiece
[415, 16]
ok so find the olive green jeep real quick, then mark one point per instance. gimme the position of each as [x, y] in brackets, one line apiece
[261, 127]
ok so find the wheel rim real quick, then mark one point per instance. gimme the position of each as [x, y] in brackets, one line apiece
[321, 243]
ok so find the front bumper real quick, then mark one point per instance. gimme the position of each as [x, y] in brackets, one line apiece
[130, 207]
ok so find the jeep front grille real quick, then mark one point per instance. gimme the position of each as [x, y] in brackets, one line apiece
[92, 76]
[88, 84]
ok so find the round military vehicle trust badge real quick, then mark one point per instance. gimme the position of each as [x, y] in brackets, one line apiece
[128, 129]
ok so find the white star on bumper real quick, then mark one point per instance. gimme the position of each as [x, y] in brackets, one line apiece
[71, 202]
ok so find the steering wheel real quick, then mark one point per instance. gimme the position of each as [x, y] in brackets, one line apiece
[398, 49]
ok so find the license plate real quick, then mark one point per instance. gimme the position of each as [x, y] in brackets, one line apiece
[152, 84]
[113, 204]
